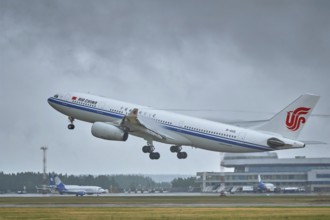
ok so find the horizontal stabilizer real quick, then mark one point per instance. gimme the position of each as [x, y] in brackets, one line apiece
[313, 142]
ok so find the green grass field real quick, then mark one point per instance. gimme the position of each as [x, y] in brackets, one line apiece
[167, 213]
[179, 209]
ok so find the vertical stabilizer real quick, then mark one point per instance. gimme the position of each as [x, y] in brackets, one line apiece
[259, 178]
[51, 180]
[59, 185]
[290, 121]
[261, 184]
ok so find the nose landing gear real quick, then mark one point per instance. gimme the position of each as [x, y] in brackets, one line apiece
[71, 125]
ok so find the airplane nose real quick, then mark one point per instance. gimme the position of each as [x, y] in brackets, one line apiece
[51, 101]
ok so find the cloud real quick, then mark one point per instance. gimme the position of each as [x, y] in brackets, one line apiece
[256, 56]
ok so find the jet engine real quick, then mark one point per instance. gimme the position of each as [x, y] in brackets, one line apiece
[108, 132]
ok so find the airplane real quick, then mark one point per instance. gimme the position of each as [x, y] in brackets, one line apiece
[115, 120]
[56, 183]
[44, 189]
[265, 187]
[293, 189]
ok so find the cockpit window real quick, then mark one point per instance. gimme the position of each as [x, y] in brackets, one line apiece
[56, 96]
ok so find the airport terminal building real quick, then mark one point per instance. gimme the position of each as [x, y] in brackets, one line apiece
[307, 174]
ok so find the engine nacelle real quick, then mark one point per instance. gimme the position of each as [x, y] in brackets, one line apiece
[108, 132]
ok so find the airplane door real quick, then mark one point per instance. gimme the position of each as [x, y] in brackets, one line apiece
[241, 136]
[102, 105]
[66, 97]
[180, 125]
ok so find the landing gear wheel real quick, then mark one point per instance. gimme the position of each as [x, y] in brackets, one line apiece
[70, 126]
[182, 155]
[148, 149]
[154, 155]
[175, 149]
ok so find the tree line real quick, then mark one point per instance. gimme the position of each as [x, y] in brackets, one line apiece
[29, 181]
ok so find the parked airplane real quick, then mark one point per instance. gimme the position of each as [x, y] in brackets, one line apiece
[116, 120]
[293, 189]
[265, 187]
[56, 183]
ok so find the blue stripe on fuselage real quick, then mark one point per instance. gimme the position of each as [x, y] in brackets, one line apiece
[168, 127]
[86, 108]
[217, 138]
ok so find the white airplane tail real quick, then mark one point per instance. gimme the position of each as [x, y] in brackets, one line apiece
[259, 179]
[290, 121]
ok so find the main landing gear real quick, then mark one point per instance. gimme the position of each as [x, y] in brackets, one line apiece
[149, 148]
[71, 125]
[180, 154]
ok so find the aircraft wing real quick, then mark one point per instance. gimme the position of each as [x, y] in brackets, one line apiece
[247, 124]
[243, 124]
[144, 125]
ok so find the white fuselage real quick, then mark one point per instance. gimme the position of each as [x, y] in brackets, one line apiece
[268, 187]
[183, 130]
[86, 189]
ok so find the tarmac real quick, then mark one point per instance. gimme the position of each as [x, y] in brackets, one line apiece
[6, 205]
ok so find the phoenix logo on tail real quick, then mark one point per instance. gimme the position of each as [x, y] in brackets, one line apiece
[295, 118]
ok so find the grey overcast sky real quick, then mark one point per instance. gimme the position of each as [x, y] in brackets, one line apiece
[231, 56]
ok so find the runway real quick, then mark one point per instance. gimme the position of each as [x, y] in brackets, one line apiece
[176, 205]
[162, 200]
[184, 194]
[109, 195]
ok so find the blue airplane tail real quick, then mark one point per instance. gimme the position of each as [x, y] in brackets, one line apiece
[261, 184]
[51, 180]
[59, 185]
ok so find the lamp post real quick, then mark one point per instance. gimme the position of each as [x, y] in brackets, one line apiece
[44, 190]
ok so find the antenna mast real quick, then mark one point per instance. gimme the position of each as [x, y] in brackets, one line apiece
[44, 149]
